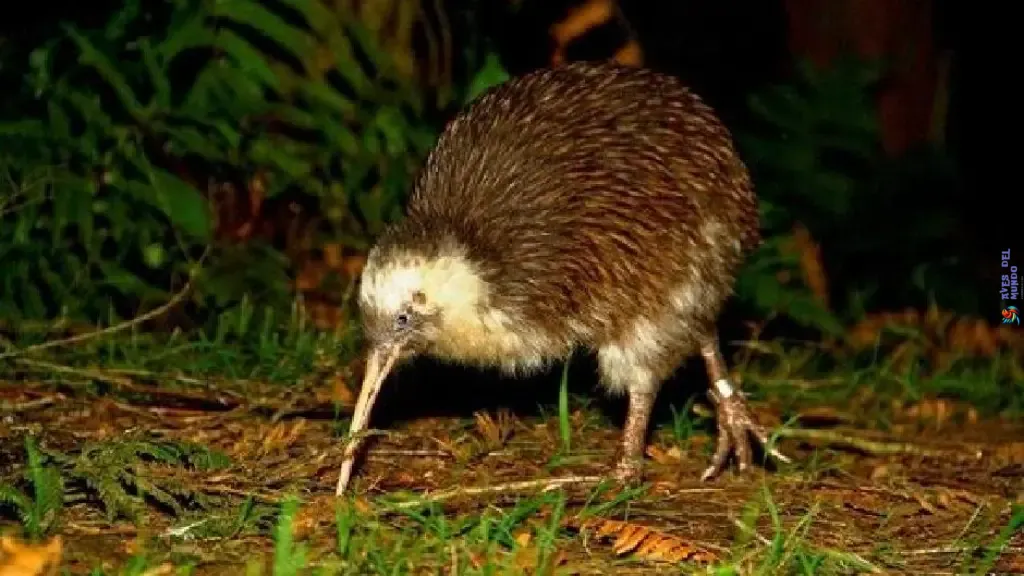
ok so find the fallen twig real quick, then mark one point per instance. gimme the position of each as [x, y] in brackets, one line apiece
[28, 405]
[387, 453]
[961, 550]
[122, 529]
[865, 445]
[125, 384]
[543, 484]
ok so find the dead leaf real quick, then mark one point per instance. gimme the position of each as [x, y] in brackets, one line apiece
[924, 503]
[879, 472]
[315, 514]
[362, 505]
[281, 436]
[340, 392]
[675, 453]
[352, 266]
[671, 456]
[811, 263]
[631, 54]
[645, 542]
[332, 255]
[23, 559]
[161, 570]
[580, 19]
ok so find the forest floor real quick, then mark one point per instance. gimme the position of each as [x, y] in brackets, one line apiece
[145, 471]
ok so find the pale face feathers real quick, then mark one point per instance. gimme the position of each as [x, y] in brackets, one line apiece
[410, 299]
[440, 306]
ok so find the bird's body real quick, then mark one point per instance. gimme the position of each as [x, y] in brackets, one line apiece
[588, 206]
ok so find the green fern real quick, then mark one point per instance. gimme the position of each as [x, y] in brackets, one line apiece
[116, 473]
[118, 208]
[40, 511]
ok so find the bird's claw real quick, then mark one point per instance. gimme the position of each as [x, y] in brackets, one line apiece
[735, 426]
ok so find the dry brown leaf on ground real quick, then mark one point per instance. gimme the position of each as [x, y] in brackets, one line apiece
[24, 559]
[644, 542]
[940, 335]
[282, 435]
[940, 410]
[316, 514]
[341, 394]
[671, 456]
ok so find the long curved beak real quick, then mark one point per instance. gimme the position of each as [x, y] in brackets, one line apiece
[378, 365]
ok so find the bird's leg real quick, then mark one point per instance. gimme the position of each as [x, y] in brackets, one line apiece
[735, 421]
[629, 467]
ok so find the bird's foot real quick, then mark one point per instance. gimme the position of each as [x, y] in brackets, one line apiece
[736, 424]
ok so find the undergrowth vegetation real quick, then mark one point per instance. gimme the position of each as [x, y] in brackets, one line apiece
[131, 149]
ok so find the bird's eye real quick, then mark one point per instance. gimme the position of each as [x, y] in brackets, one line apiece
[402, 320]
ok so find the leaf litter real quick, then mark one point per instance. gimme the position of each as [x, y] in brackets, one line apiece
[215, 478]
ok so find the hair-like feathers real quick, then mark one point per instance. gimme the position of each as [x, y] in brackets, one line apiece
[565, 207]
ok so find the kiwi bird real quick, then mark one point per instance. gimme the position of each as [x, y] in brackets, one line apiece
[586, 206]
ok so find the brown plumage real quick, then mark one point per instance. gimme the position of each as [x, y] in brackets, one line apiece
[589, 205]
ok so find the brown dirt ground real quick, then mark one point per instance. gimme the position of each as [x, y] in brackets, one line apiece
[905, 513]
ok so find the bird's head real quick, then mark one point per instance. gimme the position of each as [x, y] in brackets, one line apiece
[409, 300]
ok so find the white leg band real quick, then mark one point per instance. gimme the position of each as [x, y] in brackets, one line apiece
[723, 387]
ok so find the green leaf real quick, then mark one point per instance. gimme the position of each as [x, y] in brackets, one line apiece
[157, 74]
[59, 124]
[91, 56]
[188, 140]
[276, 28]
[347, 66]
[35, 129]
[279, 154]
[184, 205]
[371, 47]
[200, 97]
[809, 312]
[491, 74]
[32, 302]
[321, 93]
[391, 123]
[72, 204]
[194, 33]
[248, 59]
[781, 107]
[126, 282]
[241, 91]
[316, 15]
[88, 107]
